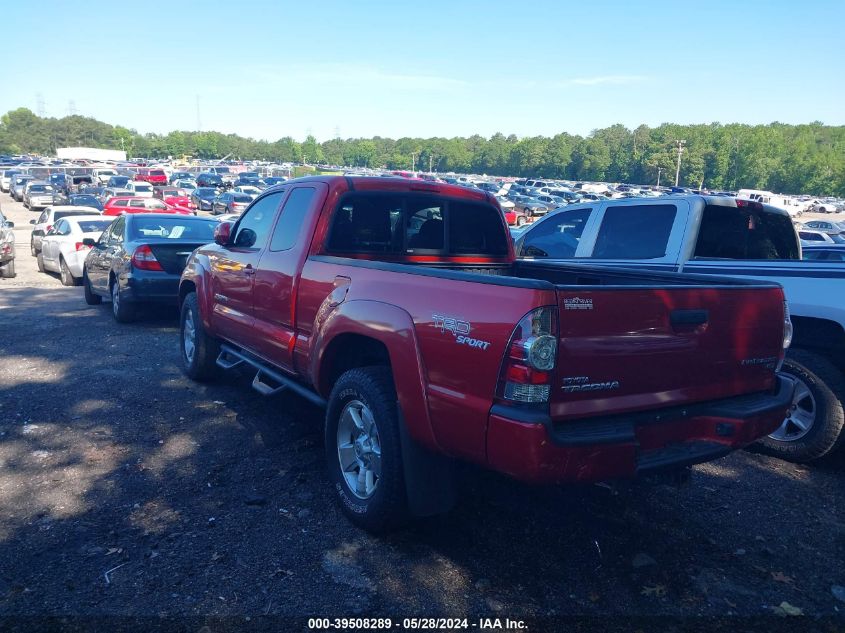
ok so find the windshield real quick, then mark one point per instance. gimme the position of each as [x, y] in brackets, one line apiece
[40, 188]
[242, 198]
[143, 188]
[838, 238]
[177, 228]
[66, 214]
[206, 192]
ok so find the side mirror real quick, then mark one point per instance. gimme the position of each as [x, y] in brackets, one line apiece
[89, 242]
[33, 222]
[9, 224]
[222, 233]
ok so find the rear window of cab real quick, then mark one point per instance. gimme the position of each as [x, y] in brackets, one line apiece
[409, 224]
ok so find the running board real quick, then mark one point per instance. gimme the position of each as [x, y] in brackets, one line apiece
[230, 358]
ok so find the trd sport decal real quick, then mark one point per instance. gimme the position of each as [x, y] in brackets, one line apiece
[460, 330]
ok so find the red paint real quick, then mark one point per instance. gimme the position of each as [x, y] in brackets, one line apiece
[298, 312]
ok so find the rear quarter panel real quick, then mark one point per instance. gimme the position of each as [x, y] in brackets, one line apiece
[459, 379]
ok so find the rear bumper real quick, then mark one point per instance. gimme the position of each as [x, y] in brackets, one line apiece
[155, 287]
[543, 451]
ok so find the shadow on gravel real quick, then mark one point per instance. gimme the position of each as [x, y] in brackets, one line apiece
[127, 489]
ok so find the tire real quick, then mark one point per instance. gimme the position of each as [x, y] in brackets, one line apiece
[90, 298]
[8, 271]
[520, 221]
[199, 361]
[121, 310]
[66, 276]
[817, 406]
[33, 251]
[378, 502]
[40, 261]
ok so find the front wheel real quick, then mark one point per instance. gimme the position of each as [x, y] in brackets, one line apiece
[199, 349]
[32, 249]
[40, 262]
[814, 425]
[363, 450]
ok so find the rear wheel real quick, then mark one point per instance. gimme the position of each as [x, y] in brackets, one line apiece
[199, 349]
[8, 271]
[520, 220]
[814, 425]
[122, 310]
[67, 277]
[90, 298]
[363, 449]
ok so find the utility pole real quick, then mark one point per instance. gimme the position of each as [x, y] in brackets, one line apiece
[430, 159]
[659, 169]
[413, 161]
[678, 170]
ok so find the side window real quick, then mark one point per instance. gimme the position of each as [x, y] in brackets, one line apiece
[254, 226]
[635, 231]
[62, 228]
[290, 222]
[43, 217]
[137, 204]
[366, 224]
[733, 233]
[558, 236]
[116, 232]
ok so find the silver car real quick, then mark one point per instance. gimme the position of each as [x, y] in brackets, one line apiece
[38, 194]
[18, 184]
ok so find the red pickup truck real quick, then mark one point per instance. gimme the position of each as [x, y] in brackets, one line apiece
[399, 306]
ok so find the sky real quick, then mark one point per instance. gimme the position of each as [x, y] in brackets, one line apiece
[437, 68]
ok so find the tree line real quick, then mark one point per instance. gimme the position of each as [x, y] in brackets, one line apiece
[783, 158]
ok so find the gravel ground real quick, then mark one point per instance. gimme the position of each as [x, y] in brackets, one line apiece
[126, 489]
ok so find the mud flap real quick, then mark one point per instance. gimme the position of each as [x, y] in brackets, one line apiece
[429, 478]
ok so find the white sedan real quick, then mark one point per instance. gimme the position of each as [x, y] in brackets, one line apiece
[140, 189]
[62, 248]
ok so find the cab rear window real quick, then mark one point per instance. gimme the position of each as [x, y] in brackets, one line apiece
[398, 224]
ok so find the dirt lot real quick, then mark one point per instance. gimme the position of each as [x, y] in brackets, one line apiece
[126, 489]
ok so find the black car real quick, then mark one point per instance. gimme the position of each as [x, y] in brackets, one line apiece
[60, 182]
[209, 180]
[139, 259]
[248, 178]
[180, 175]
[118, 182]
[203, 198]
[84, 200]
[274, 180]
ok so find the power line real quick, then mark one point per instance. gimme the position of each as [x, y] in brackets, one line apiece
[71, 107]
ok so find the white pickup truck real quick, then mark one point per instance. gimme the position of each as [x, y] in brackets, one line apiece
[734, 238]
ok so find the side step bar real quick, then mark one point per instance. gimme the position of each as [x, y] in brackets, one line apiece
[267, 380]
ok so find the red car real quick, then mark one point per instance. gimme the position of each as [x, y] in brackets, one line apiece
[152, 176]
[517, 218]
[183, 202]
[398, 305]
[126, 204]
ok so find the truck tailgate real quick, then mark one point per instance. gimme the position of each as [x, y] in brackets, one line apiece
[628, 349]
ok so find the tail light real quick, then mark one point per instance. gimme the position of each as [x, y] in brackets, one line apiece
[528, 369]
[82, 247]
[144, 259]
[741, 203]
[48, 227]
